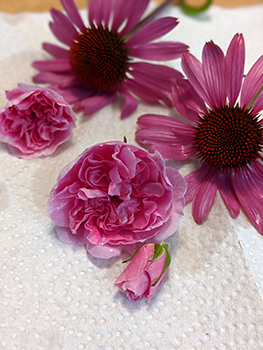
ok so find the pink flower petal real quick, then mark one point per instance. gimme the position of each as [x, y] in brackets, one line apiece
[187, 101]
[249, 192]
[214, 73]
[134, 12]
[130, 103]
[56, 51]
[204, 194]
[194, 72]
[162, 51]
[144, 72]
[92, 104]
[152, 31]
[172, 138]
[60, 34]
[73, 13]
[56, 65]
[99, 11]
[62, 21]
[227, 193]
[252, 83]
[258, 105]
[105, 251]
[147, 92]
[235, 61]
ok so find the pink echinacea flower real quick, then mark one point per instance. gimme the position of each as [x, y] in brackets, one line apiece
[35, 121]
[145, 273]
[106, 58]
[225, 135]
[114, 197]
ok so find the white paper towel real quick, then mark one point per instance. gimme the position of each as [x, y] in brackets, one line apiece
[55, 296]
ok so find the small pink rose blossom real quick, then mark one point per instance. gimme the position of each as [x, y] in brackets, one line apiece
[145, 273]
[35, 121]
[116, 196]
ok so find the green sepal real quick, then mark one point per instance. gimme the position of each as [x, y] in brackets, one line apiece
[193, 11]
[159, 249]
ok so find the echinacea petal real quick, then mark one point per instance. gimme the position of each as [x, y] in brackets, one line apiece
[201, 189]
[134, 12]
[130, 103]
[192, 68]
[152, 31]
[249, 192]
[227, 193]
[258, 105]
[235, 61]
[62, 22]
[204, 197]
[187, 101]
[56, 65]
[60, 34]
[172, 138]
[73, 13]
[147, 72]
[159, 51]
[148, 93]
[213, 60]
[99, 11]
[52, 78]
[252, 83]
[92, 104]
[56, 51]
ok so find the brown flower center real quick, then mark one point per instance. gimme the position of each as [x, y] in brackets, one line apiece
[99, 59]
[229, 138]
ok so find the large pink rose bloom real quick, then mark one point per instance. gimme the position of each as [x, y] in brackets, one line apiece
[145, 273]
[116, 196]
[35, 121]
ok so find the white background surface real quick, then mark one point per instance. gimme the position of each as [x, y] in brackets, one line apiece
[55, 296]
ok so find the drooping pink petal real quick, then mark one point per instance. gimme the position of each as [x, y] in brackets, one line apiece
[134, 12]
[258, 105]
[149, 72]
[148, 92]
[252, 83]
[92, 104]
[204, 194]
[56, 51]
[227, 193]
[213, 60]
[73, 13]
[144, 72]
[52, 78]
[249, 192]
[56, 65]
[99, 11]
[152, 31]
[194, 72]
[60, 34]
[130, 103]
[159, 51]
[234, 64]
[187, 101]
[61, 21]
[172, 138]
[73, 94]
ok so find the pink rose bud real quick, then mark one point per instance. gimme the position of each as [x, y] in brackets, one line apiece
[35, 121]
[146, 271]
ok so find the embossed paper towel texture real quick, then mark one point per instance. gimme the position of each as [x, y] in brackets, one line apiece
[54, 296]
